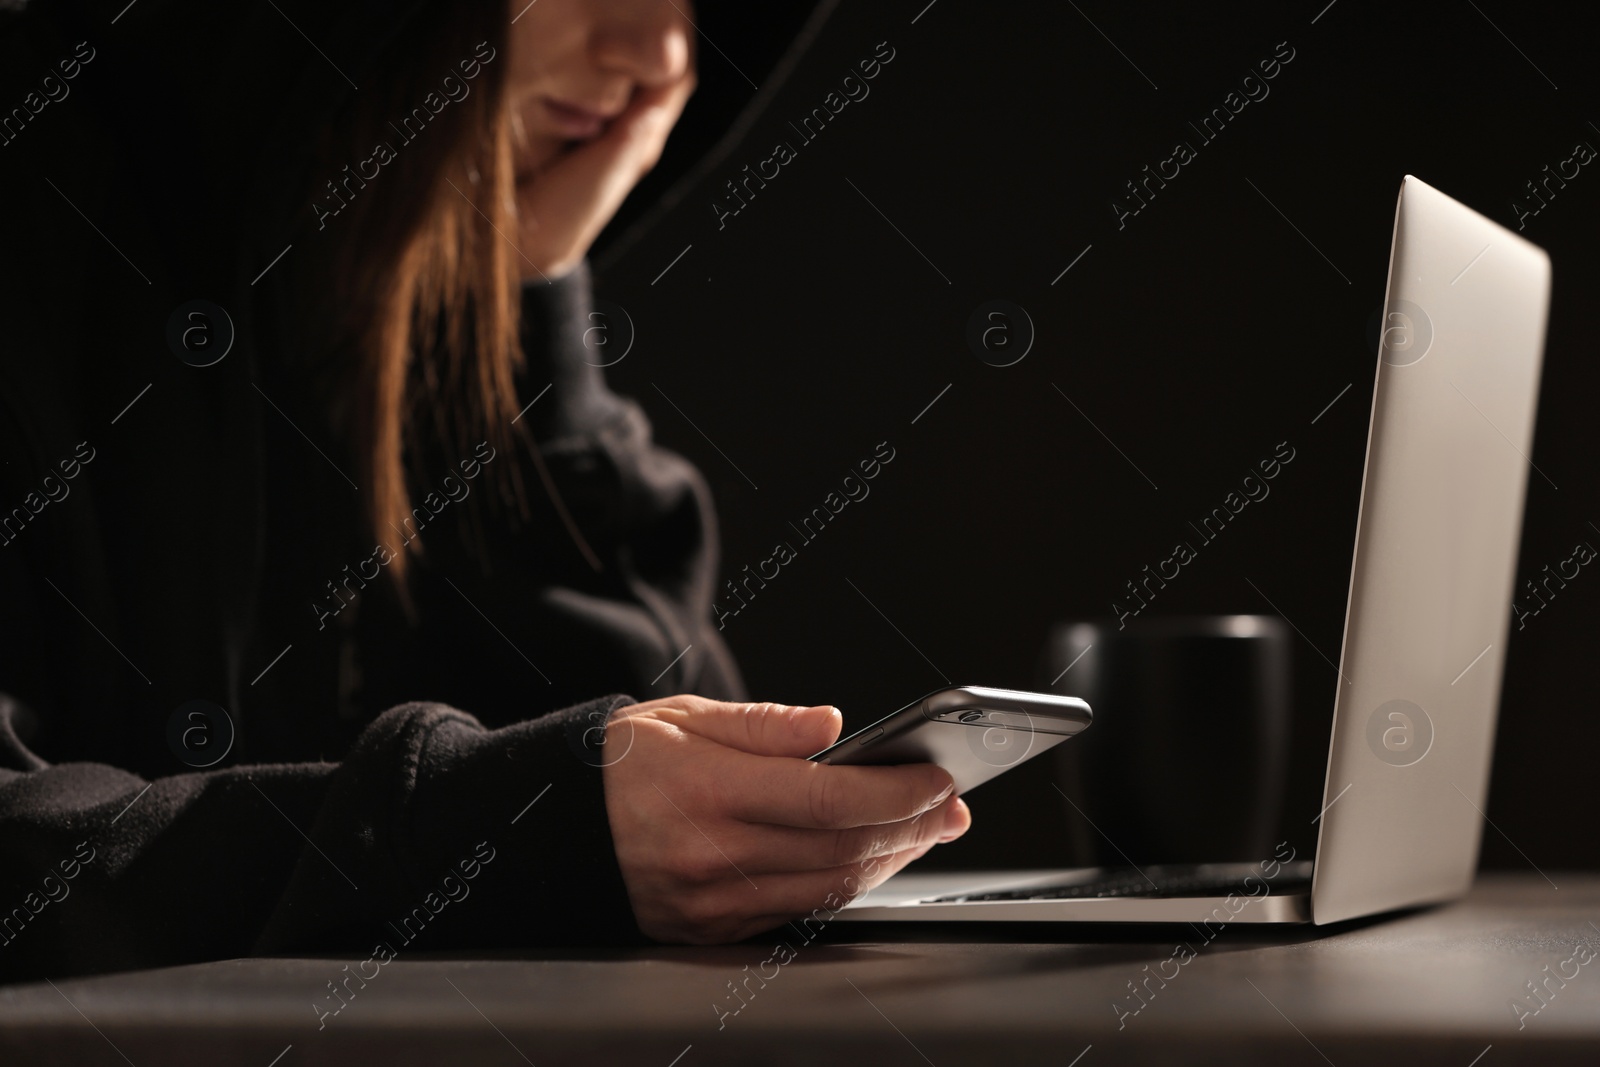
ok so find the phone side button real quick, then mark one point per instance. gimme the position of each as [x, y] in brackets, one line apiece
[867, 739]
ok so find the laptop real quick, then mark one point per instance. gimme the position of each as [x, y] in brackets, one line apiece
[1426, 621]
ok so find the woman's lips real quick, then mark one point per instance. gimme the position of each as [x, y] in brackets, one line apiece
[574, 120]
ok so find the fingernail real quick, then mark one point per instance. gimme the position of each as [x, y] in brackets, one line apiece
[833, 712]
[951, 788]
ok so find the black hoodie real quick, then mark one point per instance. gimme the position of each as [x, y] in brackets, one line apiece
[181, 552]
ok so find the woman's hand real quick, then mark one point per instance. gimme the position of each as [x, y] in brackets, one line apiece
[562, 207]
[723, 828]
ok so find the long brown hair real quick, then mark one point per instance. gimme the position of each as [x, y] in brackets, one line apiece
[409, 322]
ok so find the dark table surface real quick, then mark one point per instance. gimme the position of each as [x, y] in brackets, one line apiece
[1435, 986]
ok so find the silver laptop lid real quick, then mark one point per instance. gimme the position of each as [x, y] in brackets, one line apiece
[1435, 556]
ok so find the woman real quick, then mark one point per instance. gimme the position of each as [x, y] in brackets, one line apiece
[328, 558]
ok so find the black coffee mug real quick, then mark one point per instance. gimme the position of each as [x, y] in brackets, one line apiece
[1187, 759]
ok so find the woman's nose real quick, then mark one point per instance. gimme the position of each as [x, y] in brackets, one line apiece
[651, 43]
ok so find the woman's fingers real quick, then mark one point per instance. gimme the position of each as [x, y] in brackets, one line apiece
[563, 208]
[820, 796]
[639, 133]
[765, 849]
[802, 892]
[737, 908]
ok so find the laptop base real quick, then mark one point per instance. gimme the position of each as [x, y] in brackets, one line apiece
[1216, 893]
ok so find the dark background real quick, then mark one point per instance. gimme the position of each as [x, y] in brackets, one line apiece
[1196, 339]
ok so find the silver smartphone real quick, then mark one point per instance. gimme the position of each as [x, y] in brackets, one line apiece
[973, 732]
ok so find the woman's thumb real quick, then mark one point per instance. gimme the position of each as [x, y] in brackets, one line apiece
[767, 729]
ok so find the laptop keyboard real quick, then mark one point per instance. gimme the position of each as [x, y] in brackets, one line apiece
[1129, 882]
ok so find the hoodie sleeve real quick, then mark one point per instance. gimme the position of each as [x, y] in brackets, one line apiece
[431, 831]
